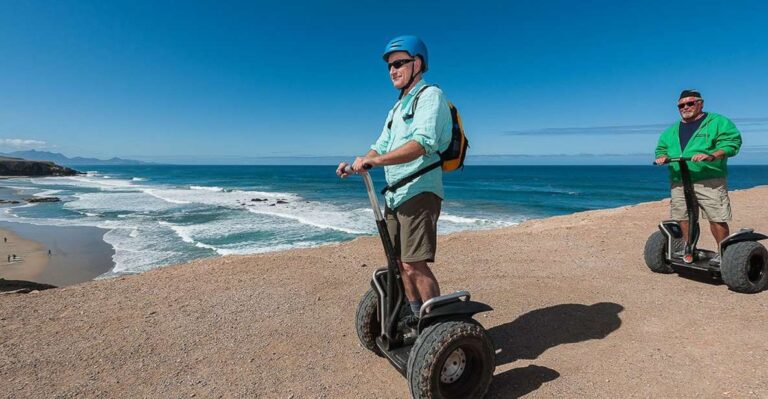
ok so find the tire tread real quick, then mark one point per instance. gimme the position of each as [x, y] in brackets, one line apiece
[430, 344]
[733, 267]
[655, 250]
[366, 312]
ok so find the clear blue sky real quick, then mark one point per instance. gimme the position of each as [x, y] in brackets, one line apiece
[220, 82]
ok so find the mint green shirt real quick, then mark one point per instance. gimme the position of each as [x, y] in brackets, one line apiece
[430, 126]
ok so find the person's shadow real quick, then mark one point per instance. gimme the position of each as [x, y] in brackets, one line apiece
[531, 334]
[520, 381]
[697, 275]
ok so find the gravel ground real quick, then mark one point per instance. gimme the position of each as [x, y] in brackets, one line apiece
[577, 314]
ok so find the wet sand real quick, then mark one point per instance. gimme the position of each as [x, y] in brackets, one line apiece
[78, 254]
[577, 314]
[30, 258]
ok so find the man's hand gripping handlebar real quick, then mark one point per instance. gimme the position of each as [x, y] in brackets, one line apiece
[663, 160]
[346, 169]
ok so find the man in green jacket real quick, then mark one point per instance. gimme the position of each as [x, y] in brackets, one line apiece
[709, 140]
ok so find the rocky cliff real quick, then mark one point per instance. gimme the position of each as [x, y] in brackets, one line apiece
[22, 167]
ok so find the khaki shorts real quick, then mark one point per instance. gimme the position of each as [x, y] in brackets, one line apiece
[413, 227]
[712, 196]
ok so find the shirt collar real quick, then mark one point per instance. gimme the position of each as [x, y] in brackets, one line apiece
[421, 83]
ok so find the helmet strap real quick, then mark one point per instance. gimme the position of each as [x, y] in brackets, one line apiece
[408, 85]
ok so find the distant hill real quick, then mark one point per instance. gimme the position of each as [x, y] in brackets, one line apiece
[62, 159]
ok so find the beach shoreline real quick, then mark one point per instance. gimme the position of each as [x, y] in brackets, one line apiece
[21, 258]
[77, 253]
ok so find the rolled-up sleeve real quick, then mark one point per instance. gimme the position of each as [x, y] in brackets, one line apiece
[430, 112]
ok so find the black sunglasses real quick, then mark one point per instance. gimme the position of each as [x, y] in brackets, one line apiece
[688, 104]
[399, 63]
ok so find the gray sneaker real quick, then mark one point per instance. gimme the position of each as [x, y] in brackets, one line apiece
[409, 321]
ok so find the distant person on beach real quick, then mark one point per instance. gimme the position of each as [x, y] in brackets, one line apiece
[417, 127]
[709, 139]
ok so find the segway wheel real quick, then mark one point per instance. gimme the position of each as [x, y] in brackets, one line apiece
[367, 322]
[656, 252]
[744, 267]
[451, 360]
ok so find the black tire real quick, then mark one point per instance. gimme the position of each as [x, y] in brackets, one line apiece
[744, 267]
[451, 360]
[367, 322]
[655, 252]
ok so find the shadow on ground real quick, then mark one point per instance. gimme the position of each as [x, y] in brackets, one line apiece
[21, 286]
[697, 276]
[520, 381]
[531, 334]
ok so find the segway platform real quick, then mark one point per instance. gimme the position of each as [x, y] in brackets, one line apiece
[398, 356]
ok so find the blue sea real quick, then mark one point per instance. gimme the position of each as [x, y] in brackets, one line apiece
[158, 215]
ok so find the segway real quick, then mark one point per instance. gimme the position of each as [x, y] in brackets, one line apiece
[743, 264]
[445, 353]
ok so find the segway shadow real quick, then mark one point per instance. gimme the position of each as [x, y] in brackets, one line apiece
[743, 264]
[445, 353]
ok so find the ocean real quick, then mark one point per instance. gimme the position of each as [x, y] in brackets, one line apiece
[158, 215]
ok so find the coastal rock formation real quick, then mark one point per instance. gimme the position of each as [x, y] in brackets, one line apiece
[43, 199]
[22, 167]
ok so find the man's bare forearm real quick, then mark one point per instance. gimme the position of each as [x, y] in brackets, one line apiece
[403, 154]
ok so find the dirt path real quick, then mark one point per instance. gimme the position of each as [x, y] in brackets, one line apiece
[577, 314]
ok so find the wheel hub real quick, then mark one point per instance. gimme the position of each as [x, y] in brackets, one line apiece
[454, 366]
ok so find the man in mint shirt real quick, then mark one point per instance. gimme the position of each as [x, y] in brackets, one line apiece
[417, 128]
[709, 139]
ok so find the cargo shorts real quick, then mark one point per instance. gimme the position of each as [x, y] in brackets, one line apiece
[412, 227]
[712, 196]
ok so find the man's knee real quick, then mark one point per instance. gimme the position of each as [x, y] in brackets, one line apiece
[411, 268]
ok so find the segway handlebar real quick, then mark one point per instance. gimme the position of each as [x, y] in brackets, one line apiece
[369, 188]
[348, 168]
[670, 160]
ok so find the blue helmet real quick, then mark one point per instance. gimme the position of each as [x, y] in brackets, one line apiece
[410, 44]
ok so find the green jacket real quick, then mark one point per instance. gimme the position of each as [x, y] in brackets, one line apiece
[715, 133]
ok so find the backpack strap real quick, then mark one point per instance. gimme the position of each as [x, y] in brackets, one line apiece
[402, 182]
[415, 102]
[394, 109]
[412, 109]
[410, 177]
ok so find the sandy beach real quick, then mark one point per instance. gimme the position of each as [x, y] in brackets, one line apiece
[30, 259]
[577, 314]
[77, 254]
